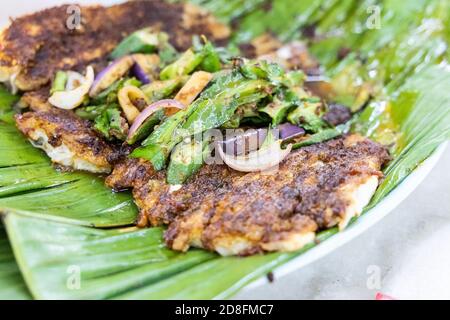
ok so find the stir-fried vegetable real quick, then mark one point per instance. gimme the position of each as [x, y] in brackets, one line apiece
[215, 106]
[109, 95]
[195, 93]
[186, 158]
[245, 141]
[183, 66]
[150, 116]
[141, 41]
[212, 113]
[280, 107]
[267, 157]
[91, 112]
[132, 100]
[193, 87]
[145, 67]
[211, 59]
[203, 57]
[246, 86]
[59, 83]
[321, 136]
[111, 74]
[111, 124]
[158, 90]
[70, 99]
[309, 115]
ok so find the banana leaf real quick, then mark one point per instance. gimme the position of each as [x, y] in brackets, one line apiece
[14, 149]
[420, 113]
[47, 213]
[108, 262]
[12, 286]
[65, 261]
[84, 202]
[29, 182]
[6, 101]
[135, 265]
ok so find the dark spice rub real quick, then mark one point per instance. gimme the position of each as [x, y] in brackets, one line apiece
[230, 212]
[67, 139]
[35, 46]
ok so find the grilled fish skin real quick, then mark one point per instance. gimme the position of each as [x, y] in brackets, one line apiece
[237, 213]
[68, 140]
[36, 100]
[35, 46]
[158, 203]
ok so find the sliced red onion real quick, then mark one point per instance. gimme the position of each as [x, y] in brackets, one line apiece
[74, 80]
[337, 114]
[70, 99]
[140, 74]
[289, 131]
[146, 67]
[110, 74]
[252, 139]
[244, 142]
[151, 109]
[260, 160]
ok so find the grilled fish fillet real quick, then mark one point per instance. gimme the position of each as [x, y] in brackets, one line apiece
[235, 213]
[36, 100]
[293, 55]
[68, 140]
[35, 46]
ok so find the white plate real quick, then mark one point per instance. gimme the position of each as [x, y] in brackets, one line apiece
[20, 7]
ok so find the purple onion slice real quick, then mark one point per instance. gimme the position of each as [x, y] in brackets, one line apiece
[113, 72]
[146, 67]
[262, 159]
[241, 142]
[151, 109]
[140, 74]
[289, 131]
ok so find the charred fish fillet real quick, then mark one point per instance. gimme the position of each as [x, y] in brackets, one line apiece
[35, 46]
[236, 213]
[36, 100]
[68, 140]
